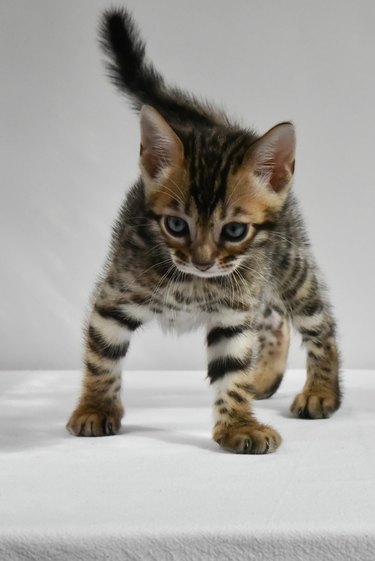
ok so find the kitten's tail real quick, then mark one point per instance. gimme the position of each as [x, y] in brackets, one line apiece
[133, 74]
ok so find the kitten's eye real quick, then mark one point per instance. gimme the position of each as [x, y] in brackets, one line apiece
[176, 226]
[234, 231]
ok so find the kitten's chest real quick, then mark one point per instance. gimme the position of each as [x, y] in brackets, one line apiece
[181, 309]
[186, 307]
[180, 321]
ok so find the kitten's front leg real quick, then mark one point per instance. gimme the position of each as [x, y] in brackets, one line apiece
[231, 353]
[108, 333]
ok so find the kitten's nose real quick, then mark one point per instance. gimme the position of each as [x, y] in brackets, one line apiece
[203, 266]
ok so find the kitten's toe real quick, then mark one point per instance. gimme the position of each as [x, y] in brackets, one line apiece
[95, 423]
[315, 404]
[247, 439]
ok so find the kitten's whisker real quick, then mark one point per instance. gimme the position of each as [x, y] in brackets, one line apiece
[236, 185]
[155, 247]
[263, 278]
[255, 272]
[287, 240]
[239, 198]
[174, 195]
[130, 286]
[183, 195]
[158, 286]
[240, 283]
[168, 290]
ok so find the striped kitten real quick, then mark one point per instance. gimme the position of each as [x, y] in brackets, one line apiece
[210, 234]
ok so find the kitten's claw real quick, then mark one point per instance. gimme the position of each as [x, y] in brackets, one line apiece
[247, 439]
[95, 423]
[247, 446]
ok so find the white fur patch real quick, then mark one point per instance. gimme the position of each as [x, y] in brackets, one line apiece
[110, 329]
[139, 313]
[179, 321]
[308, 322]
[236, 347]
[227, 318]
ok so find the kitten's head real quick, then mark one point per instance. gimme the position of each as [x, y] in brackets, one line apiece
[211, 189]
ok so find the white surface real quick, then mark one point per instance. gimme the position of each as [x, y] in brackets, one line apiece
[69, 149]
[163, 490]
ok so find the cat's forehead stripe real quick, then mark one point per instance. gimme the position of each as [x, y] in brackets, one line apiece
[211, 157]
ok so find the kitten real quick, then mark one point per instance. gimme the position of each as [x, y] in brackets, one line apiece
[210, 234]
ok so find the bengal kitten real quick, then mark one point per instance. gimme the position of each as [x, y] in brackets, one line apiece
[210, 234]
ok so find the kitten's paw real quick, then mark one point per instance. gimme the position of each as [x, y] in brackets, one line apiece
[247, 439]
[90, 422]
[315, 404]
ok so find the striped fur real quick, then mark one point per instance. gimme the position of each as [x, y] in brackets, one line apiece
[199, 167]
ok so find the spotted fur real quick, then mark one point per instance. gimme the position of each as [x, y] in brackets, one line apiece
[208, 172]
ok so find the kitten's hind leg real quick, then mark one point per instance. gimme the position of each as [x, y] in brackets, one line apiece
[312, 316]
[274, 335]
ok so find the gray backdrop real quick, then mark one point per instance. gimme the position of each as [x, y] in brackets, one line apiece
[69, 147]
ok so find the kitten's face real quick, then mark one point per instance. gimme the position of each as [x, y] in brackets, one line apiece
[206, 246]
[202, 243]
[210, 194]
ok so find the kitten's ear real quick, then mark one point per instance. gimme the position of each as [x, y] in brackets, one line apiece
[160, 146]
[272, 157]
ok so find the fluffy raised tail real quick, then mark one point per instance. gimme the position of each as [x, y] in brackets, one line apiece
[134, 75]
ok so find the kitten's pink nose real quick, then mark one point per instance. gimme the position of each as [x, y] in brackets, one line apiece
[203, 266]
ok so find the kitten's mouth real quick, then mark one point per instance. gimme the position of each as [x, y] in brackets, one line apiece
[214, 271]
